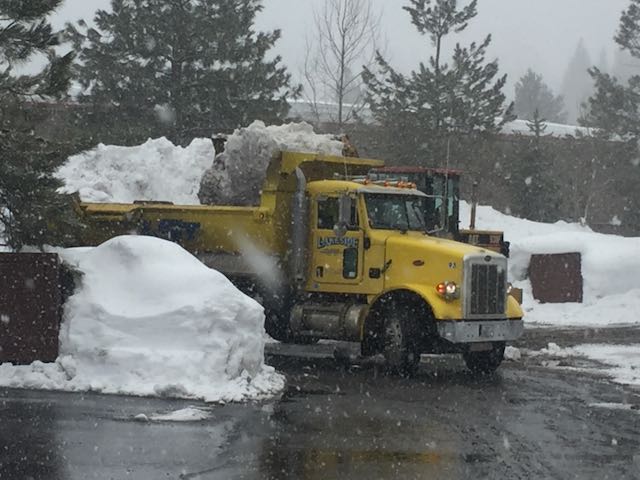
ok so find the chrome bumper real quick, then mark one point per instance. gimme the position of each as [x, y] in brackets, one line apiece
[480, 331]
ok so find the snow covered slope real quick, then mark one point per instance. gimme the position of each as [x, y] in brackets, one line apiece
[610, 269]
[149, 319]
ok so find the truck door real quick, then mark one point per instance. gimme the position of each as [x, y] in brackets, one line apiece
[336, 259]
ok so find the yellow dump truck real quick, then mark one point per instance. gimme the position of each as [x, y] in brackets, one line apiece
[333, 256]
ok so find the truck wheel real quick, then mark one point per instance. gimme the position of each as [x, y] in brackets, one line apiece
[485, 363]
[400, 348]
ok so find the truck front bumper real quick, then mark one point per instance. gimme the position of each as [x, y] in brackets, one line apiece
[461, 331]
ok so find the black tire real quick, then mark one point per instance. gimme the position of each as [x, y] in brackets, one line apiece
[400, 347]
[485, 363]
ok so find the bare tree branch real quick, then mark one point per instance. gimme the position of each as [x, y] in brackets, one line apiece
[346, 36]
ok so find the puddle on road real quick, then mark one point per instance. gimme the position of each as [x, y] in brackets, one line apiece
[314, 464]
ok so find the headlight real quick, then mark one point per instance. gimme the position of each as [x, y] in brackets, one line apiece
[448, 290]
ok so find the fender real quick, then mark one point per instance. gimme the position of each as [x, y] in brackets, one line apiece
[442, 309]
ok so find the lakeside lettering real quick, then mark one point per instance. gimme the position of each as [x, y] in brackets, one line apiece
[332, 241]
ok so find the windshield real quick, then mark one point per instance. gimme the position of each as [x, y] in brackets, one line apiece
[395, 212]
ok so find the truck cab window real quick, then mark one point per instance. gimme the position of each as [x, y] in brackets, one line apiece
[329, 214]
[391, 212]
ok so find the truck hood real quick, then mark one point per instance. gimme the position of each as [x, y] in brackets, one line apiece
[419, 259]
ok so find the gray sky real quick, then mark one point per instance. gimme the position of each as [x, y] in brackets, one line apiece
[541, 34]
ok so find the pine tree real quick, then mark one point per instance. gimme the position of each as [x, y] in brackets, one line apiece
[197, 65]
[624, 65]
[628, 36]
[577, 85]
[24, 32]
[28, 198]
[614, 111]
[533, 96]
[614, 108]
[534, 192]
[603, 61]
[422, 111]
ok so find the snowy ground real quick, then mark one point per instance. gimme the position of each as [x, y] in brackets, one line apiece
[149, 319]
[610, 266]
[620, 363]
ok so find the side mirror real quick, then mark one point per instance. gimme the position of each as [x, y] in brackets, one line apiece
[340, 229]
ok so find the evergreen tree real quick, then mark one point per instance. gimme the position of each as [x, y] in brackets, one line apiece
[196, 65]
[577, 85]
[624, 65]
[628, 36]
[422, 111]
[533, 96]
[25, 32]
[614, 110]
[534, 192]
[603, 61]
[28, 198]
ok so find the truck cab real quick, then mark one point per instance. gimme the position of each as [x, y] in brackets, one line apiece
[442, 210]
[376, 275]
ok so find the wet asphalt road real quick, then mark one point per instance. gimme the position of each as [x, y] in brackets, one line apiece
[338, 421]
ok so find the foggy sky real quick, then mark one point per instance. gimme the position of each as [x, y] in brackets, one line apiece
[541, 34]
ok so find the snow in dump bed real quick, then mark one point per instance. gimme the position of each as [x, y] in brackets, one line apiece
[149, 319]
[156, 170]
[610, 266]
[237, 176]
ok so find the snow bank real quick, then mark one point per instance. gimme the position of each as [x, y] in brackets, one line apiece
[238, 173]
[189, 414]
[521, 127]
[150, 319]
[156, 170]
[610, 266]
[621, 362]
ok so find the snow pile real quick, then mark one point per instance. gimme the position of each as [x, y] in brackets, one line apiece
[156, 170]
[512, 353]
[150, 319]
[521, 127]
[621, 362]
[238, 173]
[189, 414]
[610, 266]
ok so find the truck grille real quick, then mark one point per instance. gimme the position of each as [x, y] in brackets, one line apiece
[487, 294]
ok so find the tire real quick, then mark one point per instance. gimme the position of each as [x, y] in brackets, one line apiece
[400, 348]
[485, 363]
